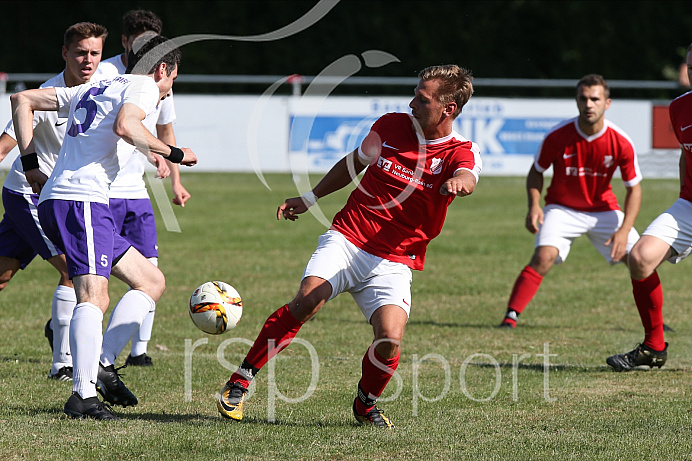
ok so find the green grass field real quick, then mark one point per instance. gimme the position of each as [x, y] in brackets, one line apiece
[467, 390]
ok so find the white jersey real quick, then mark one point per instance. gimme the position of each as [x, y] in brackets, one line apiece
[129, 184]
[90, 157]
[109, 68]
[49, 131]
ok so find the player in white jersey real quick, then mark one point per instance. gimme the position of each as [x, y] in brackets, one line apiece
[129, 199]
[21, 235]
[73, 206]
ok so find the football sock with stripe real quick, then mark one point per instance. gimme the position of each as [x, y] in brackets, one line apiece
[511, 318]
[525, 288]
[376, 373]
[648, 295]
[276, 334]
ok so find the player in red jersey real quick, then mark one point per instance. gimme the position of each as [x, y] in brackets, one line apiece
[584, 152]
[417, 166]
[668, 237]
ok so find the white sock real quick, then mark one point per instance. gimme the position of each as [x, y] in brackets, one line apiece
[141, 337]
[85, 344]
[126, 317]
[64, 301]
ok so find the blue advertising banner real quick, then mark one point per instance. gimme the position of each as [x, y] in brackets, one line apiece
[322, 137]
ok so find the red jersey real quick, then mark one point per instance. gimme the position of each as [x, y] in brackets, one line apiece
[680, 111]
[397, 208]
[584, 165]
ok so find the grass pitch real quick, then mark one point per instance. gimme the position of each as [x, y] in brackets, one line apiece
[466, 390]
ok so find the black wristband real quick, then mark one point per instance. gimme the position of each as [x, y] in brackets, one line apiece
[29, 161]
[176, 155]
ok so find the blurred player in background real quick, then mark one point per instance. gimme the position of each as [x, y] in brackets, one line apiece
[21, 235]
[584, 152]
[73, 205]
[668, 237]
[417, 166]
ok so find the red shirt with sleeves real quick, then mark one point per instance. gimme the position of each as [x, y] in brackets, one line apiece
[584, 165]
[397, 208]
[680, 111]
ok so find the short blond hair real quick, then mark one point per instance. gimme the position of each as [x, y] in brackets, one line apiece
[455, 84]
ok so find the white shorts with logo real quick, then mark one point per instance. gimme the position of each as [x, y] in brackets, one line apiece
[372, 281]
[561, 225]
[674, 226]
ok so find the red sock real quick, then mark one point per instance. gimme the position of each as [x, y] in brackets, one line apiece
[376, 374]
[524, 290]
[648, 295]
[281, 327]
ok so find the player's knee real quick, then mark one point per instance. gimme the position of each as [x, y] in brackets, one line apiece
[638, 264]
[310, 299]
[157, 285]
[305, 306]
[543, 261]
[102, 301]
[388, 341]
[388, 347]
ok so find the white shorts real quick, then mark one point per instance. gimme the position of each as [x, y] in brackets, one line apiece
[372, 281]
[674, 226]
[561, 225]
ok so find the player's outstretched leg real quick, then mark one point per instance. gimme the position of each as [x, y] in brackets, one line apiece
[276, 334]
[642, 355]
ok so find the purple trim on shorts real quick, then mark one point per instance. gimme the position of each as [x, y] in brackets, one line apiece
[21, 235]
[134, 220]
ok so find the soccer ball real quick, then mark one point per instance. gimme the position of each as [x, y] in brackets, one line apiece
[215, 307]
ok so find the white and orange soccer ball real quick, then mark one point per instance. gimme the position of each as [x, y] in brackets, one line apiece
[215, 307]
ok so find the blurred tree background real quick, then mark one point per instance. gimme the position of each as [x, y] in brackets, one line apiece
[535, 39]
